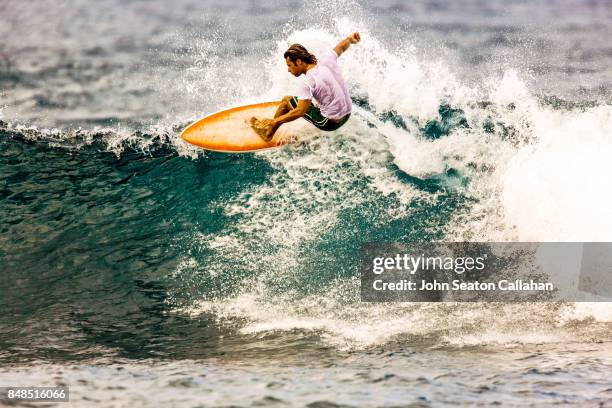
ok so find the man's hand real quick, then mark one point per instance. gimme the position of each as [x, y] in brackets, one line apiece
[354, 38]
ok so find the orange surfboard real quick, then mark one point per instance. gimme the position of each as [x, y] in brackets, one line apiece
[230, 130]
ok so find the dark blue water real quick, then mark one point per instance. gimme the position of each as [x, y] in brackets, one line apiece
[123, 249]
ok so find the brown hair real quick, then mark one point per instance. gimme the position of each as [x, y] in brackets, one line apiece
[298, 52]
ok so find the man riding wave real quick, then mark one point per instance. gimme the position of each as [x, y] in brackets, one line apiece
[322, 83]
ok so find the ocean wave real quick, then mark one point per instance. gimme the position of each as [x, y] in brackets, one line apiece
[123, 228]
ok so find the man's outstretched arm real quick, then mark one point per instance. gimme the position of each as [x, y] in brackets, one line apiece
[344, 44]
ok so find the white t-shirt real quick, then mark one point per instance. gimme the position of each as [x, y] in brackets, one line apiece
[324, 84]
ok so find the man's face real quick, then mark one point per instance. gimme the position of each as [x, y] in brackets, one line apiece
[294, 67]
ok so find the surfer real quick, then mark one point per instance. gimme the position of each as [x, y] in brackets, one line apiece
[323, 84]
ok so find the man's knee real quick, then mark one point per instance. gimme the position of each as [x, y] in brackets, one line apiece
[287, 101]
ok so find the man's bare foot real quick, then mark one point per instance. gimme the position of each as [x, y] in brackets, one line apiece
[263, 129]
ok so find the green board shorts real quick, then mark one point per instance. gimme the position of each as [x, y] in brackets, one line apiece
[314, 116]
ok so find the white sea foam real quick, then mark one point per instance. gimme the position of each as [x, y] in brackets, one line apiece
[558, 189]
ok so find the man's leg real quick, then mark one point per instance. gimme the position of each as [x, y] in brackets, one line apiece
[284, 107]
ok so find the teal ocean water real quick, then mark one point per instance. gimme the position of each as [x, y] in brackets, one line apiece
[140, 270]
